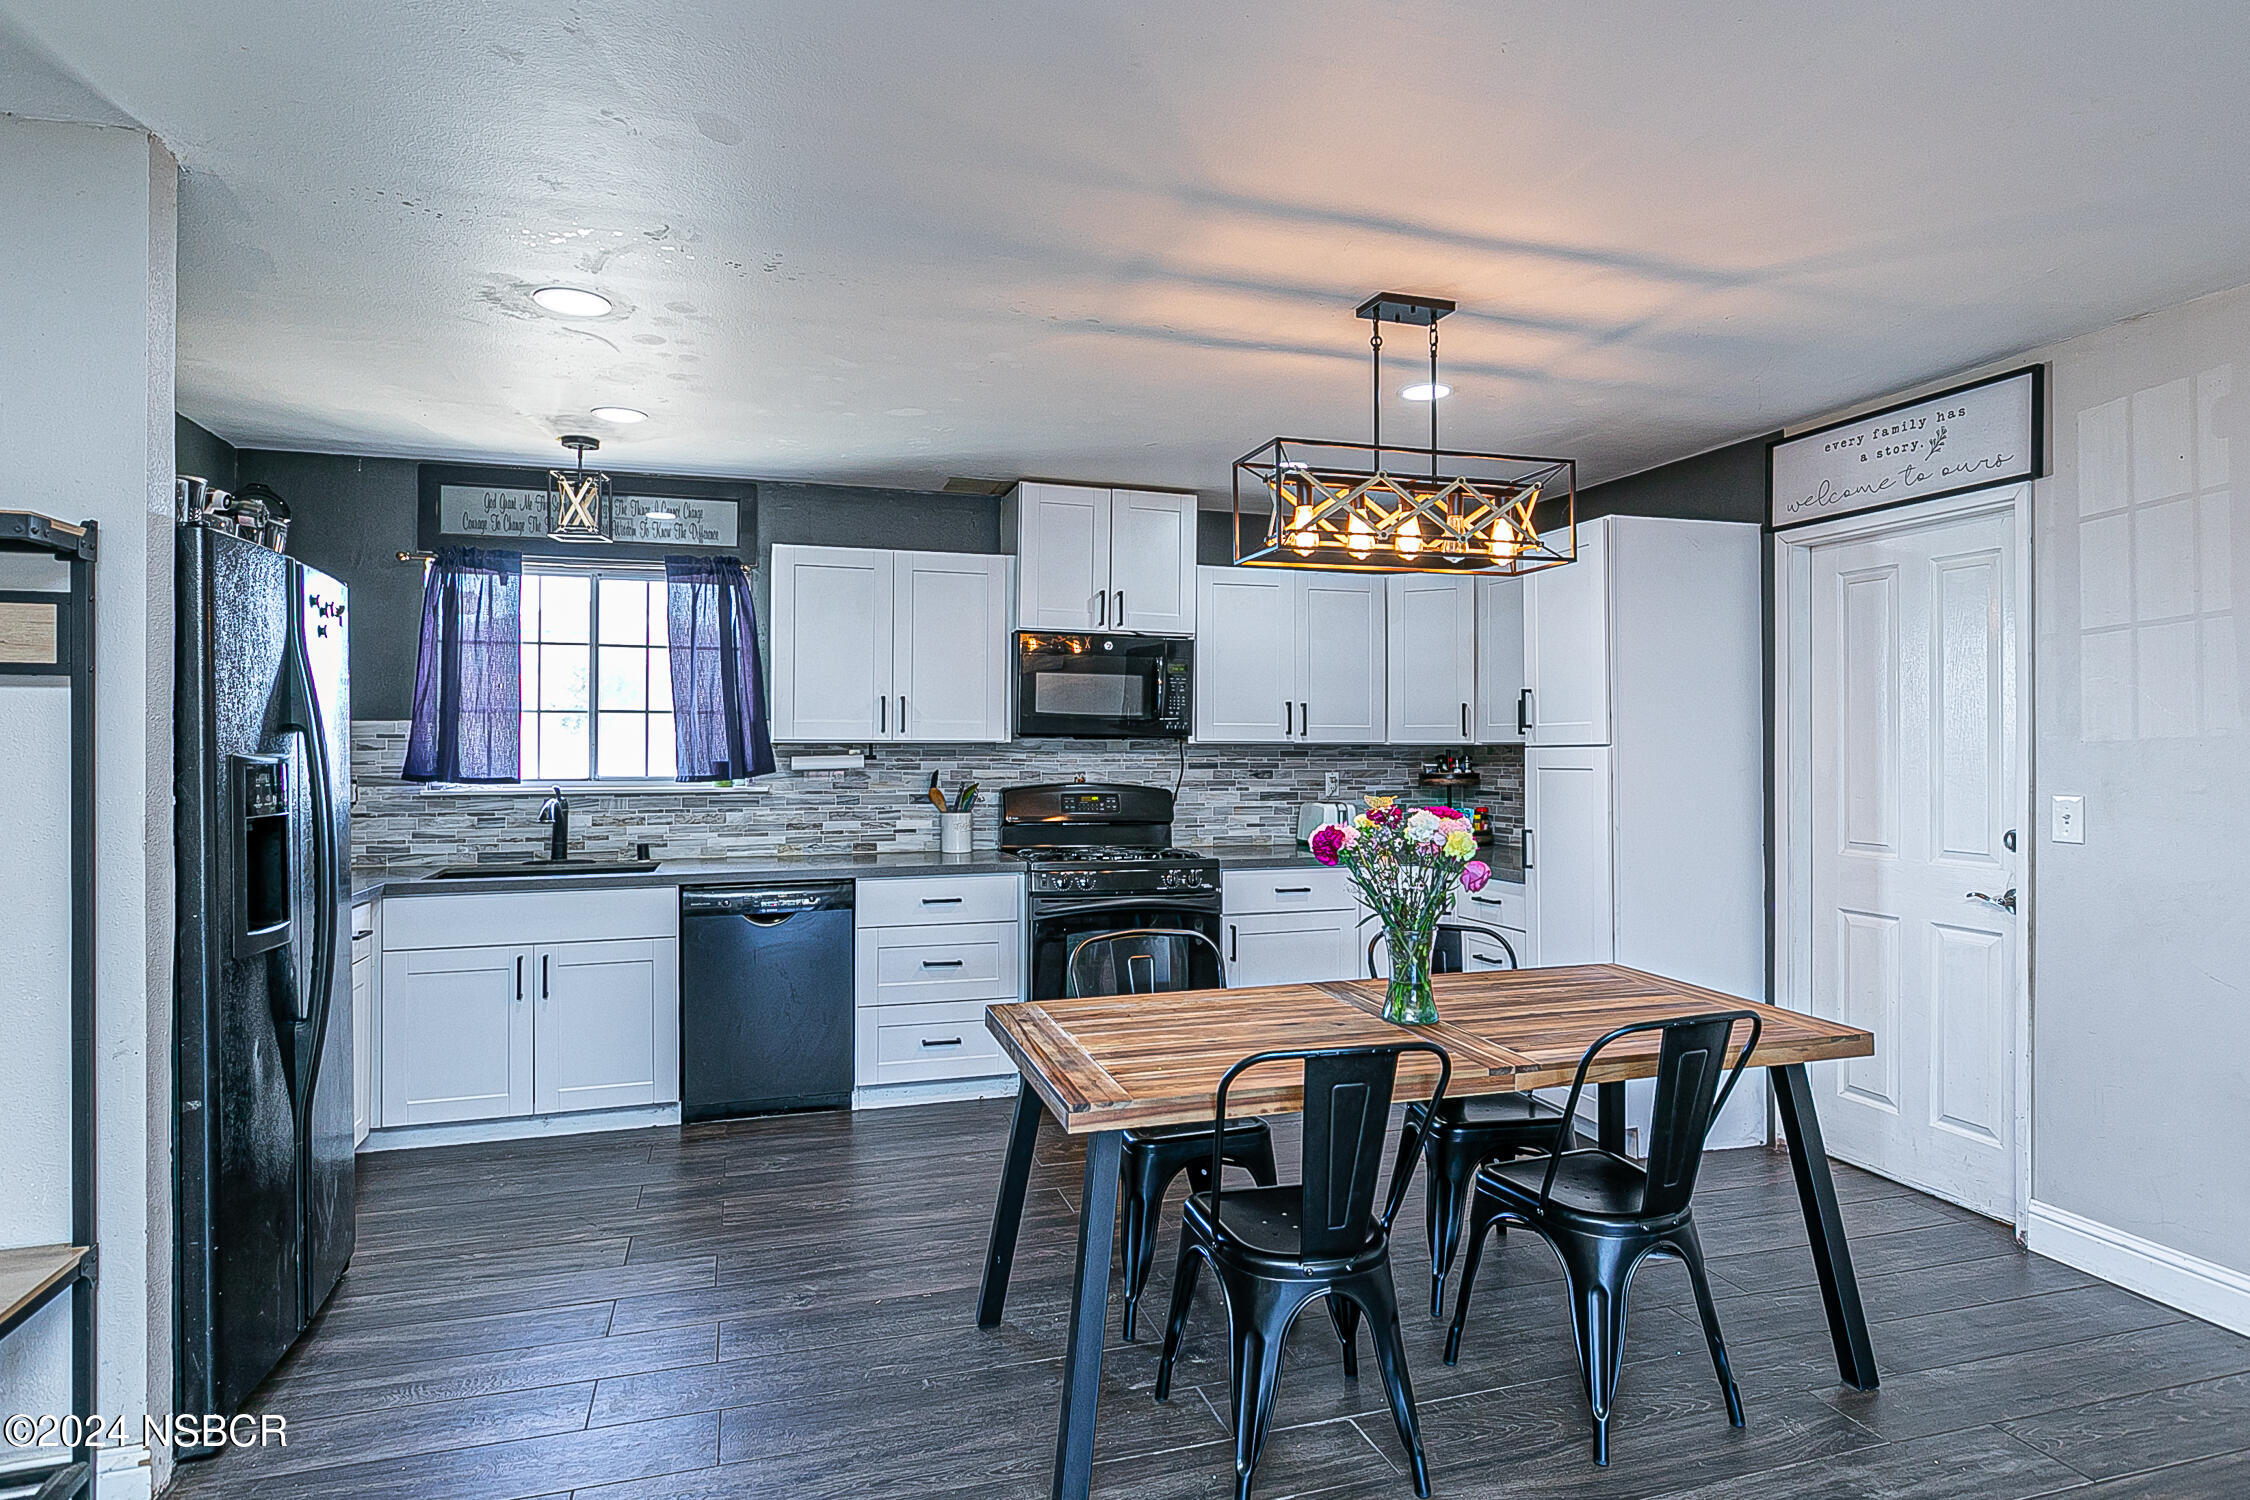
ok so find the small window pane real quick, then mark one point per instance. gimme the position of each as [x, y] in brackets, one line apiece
[624, 612]
[659, 618]
[563, 746]
[528, 610]
[660, 681]
[663, 749]
[532, 768]
[624, 672]
[624, 745]
[564, 607]
[562, 677]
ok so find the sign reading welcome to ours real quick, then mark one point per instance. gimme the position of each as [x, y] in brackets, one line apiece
[506, 513]
[1987, 432]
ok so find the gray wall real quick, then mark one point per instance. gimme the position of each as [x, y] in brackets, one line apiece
[2141, 935]
[1725, 484]
[199, 451]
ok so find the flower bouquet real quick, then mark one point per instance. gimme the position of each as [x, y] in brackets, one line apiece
[1406, 863]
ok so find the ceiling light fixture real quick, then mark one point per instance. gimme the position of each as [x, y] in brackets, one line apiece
[578, 502]
[622, 415]
[572, 301]
[1334, 504]
[1428, 390]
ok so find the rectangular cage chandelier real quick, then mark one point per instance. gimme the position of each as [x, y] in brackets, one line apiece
[1364, 507]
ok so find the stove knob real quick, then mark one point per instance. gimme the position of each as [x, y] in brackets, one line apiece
[1085, 882]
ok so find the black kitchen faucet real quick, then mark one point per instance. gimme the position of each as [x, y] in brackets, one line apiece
[556, 810]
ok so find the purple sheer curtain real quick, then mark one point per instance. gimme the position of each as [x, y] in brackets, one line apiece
[468, 684]
[718, 683]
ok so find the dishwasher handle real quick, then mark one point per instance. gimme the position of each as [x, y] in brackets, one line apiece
[773, 901]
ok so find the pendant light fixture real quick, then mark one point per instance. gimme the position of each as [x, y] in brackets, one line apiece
[1341, 505]
[578, 502]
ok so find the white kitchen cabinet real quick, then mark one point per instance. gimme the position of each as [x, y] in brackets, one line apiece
[605, 1033]
[870, 645]
[1432, 658]
[950, 659]
[1289, 655]
[1500, 703]
[363, 1021]
[1293, 947]
[1090, 558]
[931, 955]
[456, 1034]
[1566, 642]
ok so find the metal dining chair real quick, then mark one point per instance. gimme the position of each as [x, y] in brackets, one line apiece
[1469, 1132]
[1274, 1250]
[1604, 1214]
[1147, 961]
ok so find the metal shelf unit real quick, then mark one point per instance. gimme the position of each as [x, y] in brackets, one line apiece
[49, 633]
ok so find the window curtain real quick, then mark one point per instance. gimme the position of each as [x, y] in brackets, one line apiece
[718, 682]
[468, 684]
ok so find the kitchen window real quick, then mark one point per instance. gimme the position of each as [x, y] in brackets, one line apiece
[597, 674]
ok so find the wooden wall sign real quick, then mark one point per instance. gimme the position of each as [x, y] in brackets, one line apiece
[1987, 432]
[507, 513]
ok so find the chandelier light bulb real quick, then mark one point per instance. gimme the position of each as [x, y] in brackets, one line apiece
[1409, 541]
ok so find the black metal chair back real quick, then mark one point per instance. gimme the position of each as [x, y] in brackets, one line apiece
[1347, 1115]
[1690, 1067]
[1140, 961]
[1442, 961]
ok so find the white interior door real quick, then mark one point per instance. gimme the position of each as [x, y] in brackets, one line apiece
[1913, 772]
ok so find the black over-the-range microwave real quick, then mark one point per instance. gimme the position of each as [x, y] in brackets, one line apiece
[1086, 686]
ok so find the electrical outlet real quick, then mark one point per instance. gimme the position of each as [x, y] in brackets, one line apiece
[1333, 786]
[2070, 820]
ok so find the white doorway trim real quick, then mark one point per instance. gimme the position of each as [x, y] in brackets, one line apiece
[1792, 763]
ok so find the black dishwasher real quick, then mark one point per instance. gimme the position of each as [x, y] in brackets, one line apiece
[765, 999]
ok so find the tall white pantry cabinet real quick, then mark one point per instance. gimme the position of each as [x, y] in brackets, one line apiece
[1644, 765]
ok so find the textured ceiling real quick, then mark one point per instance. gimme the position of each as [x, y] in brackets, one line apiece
[894, 242]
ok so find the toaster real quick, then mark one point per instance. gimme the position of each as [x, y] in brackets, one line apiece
[1310, 815]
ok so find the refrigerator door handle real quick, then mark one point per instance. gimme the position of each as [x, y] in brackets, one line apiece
[301, 714]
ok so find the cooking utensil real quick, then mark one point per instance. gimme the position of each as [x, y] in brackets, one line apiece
[967, 795]
[937, 798]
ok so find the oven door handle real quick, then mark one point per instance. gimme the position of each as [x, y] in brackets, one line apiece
[1047, 906]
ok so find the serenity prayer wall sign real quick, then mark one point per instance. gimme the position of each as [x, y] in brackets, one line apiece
[1987, 432]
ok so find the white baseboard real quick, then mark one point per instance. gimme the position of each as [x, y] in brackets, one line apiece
[2200, 1288]
[468, 1132]
[892, 1095]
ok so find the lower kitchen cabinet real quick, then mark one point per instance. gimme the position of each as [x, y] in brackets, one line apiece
[363, 1021]
[580, 1011]
[456, 1035]
[932, 954]
[606, 1029]
[1291, 926]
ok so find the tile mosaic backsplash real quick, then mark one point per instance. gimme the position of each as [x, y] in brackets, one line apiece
[1228, 794]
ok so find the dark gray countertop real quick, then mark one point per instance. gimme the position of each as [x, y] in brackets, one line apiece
[367, 884]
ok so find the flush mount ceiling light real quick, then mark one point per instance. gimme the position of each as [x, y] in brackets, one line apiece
[622, 415]
[571, 301]
[578, 502]
[1337, 504]
[1427, 391]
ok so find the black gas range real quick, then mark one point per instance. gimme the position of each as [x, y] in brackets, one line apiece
[1100, 858]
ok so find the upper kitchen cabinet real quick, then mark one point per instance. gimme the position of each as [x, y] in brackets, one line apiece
[1102, 559]
[1501, 706]
[1433, 658]
[1289, 655]
[877, 645]
[1566, 645]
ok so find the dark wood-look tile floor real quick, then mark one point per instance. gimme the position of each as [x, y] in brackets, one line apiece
[783, 1308]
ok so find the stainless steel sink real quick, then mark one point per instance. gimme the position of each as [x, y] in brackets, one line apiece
[517, 868]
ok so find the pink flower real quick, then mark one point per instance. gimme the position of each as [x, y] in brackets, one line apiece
[1327, 841]
[1445, 812]
[1387, 817]
[1474, 874]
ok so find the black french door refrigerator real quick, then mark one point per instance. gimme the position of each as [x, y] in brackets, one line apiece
[263, 1064]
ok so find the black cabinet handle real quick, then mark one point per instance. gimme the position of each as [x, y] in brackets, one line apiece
[1486, 958]
[1120, 609]
[1101, 603]
[902, 713]
[519, 976]
[370, 932]
[1304, 719]
[544, 959]
[1234, 942]
[951, 1041]
[941, 963]
[1487, 901]
[1292, 890]
[1464, 721]
[1288, 718]
[883, 706]
[941, 900]
[1523, 712]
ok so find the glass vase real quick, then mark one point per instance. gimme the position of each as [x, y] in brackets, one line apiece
[1408, 1001]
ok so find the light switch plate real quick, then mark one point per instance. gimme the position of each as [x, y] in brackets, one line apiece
[1333, 785]
[2070, 820]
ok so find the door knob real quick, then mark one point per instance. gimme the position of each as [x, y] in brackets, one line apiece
[2005, 901]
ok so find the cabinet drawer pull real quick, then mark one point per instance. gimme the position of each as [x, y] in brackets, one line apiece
[370, 932]
[543, 974]
[951, 1041]
[519, 976]
[941, 900]
[1486, 958]
[1488, 901]
[1292, 890]
[941, 963]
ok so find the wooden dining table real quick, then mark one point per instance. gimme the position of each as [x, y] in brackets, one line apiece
[1100, 1065]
